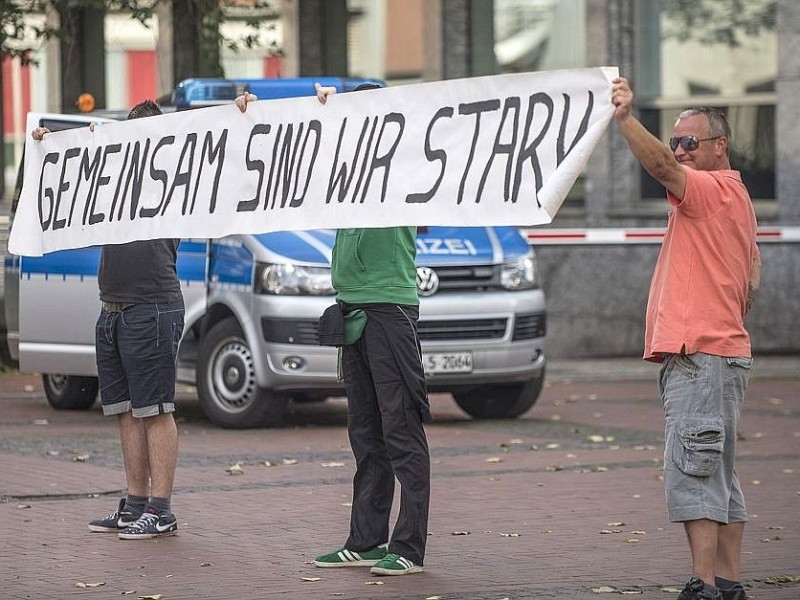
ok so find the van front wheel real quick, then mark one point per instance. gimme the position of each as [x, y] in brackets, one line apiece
[226, 381]
[499, 401]
[69, 392]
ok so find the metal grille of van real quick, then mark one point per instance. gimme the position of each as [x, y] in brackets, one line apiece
[462, 329]
[304, 331]
[530, 326]
[468, 277]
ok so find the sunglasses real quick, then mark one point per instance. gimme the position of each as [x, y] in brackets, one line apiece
[688, 142]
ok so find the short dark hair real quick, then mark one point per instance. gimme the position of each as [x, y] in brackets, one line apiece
[148, 108]
[717, 120]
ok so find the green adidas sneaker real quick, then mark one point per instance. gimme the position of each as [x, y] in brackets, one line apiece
[394, 564]
[349, 558]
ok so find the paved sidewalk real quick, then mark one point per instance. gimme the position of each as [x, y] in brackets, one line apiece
[566, 502]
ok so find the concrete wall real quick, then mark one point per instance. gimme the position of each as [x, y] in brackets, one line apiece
[596, 299]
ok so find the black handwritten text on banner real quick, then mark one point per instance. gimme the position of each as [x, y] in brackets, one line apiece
[501, 150]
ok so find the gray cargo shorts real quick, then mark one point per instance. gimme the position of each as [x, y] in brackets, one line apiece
[702, 396]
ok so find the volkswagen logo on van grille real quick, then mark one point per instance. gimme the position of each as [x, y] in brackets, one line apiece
[427, 281]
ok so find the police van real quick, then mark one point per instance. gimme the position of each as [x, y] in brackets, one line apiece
[252, 302]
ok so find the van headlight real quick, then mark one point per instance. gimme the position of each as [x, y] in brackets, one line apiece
[521, 273]
[293, 280]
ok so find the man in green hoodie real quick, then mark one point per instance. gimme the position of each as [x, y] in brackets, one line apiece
[374, 274]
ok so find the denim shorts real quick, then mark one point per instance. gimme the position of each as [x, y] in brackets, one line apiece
[702, 396]
[136, 351]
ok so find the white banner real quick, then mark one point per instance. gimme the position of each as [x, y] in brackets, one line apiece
[499, 150]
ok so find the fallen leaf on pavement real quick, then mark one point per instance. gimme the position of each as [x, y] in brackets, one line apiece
[289, 461]
[554, 468]
[433, 598]
[128, 593]
[206, 564]
[616, 524]
[332, 464]
[671, 590]
[632, 541]
[494, 459]
[553, 446]
[81, 458]
[596, 439]
[607, 531]
[630, 592]
[81, 584]
[23, 506]
[460, 533]
[151, 597]
[373, 583]
[41, 422]
[310, 578]
[638, 532]
[512, 534]
[269, 463]
[235, 469]
[604, 589]
[514, 442]
[783, 579]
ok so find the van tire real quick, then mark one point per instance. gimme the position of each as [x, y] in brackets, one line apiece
[499, 401]
[69, 392]
[226, 381]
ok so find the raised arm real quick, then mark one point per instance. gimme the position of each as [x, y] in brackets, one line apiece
[652, 153]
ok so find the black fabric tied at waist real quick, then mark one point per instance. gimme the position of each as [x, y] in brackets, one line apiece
[113, 307]
[395, 326]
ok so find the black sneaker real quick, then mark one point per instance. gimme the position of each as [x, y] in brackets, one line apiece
[116, 521]
[150, 525]
[696, 589]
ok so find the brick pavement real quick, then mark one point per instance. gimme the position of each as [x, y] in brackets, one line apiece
[529, 499]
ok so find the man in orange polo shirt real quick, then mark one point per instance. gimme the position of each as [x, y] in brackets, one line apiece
[703, 286]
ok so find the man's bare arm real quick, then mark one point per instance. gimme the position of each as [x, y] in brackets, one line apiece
[654, 155]
[753, 284]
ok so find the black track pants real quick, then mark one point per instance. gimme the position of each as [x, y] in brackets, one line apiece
[387, 403]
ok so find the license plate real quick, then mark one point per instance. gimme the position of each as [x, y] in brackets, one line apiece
[448, 362]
